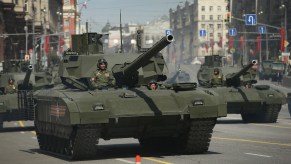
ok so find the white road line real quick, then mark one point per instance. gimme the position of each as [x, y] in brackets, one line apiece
[123, 160]
[33, 138]
[260, 155]
[22, 132]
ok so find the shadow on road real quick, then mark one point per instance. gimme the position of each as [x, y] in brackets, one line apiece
[16, 129]
[230, 122]
[123, 151]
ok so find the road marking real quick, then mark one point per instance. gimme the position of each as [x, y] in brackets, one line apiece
[33, 138]
[33, 132]
[123, 160]
[157, 161]
[274, 126]
[252, 141]
[260, 155]
[21, 123]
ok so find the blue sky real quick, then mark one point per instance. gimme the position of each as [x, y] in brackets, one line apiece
[98, 12]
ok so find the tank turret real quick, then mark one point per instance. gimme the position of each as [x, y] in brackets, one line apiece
[128, 69]
[126, 74]
[234, 78]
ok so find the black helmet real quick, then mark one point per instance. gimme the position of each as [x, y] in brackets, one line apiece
[100, 61]
[216, 70]
[152, 82]
[10, 79]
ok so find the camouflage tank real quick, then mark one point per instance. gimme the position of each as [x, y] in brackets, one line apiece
[70, 121]
[212, 62]
[255, 103]
[18, 105]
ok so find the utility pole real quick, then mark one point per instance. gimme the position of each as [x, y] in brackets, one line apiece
[121, 44]
[33, 58]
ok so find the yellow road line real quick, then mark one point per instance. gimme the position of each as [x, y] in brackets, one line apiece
[155, 160]
[21, 123]
[252, 141]
[33, 132]
[274, 126]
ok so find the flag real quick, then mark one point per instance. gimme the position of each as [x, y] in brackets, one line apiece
[212, 43]
[258, 44]
[282, 38]
[206, 47]
[230, 42]
[220, 41]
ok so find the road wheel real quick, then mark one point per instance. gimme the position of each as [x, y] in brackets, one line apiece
[270, 113]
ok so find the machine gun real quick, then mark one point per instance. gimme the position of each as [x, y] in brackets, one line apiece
[25, 85]
[234, 79]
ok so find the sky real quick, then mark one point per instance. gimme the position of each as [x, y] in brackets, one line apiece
[99, 12]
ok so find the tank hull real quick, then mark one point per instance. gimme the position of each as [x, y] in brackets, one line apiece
[149, 116]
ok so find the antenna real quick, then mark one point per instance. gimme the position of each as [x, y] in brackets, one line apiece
[121, 44]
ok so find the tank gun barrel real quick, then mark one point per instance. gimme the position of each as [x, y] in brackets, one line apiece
[25, 84]
[233, 79]
[244, 70]
[144, 57]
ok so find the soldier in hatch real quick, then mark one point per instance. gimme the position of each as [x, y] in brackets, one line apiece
[10, 88]
[217, 78]
[102, 78]
[153, 85]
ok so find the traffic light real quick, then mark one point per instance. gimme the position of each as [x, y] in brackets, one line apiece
[228, 17]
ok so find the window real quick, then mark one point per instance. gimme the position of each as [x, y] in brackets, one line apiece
[202, 8]
[67, 23]
[218, 8]
[26, 6]
[210, 17]
[219, 34]
[210, 25]
[219, 17]
[219, 26]
[211, 34]
[202, 25]
[210, 8]
[202, 17]
[67, 35]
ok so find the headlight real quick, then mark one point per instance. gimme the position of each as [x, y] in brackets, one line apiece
[97, 107]
[197, 102]
[270, 95]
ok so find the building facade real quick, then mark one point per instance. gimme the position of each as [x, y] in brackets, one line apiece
[199, 29]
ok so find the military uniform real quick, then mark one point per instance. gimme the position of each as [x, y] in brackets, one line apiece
[217, 80]
[102, 78]
[9, 89]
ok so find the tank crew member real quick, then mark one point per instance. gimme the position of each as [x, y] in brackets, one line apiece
[102, 78]
[153, 85]
[217, 78]
[10, 88]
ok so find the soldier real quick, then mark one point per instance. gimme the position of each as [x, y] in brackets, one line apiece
[217, 78]
[102, 78]
[10, 88]
[153, 85]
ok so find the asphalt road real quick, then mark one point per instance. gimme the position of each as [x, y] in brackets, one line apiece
[233, 142]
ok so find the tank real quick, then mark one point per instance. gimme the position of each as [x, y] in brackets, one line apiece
[265, 70]
[18, 106]
[255, 103]
[212, 62]
[70, 120]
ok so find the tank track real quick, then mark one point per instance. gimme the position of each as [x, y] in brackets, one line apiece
[267, 115]
[199, 135]
[81, 144]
